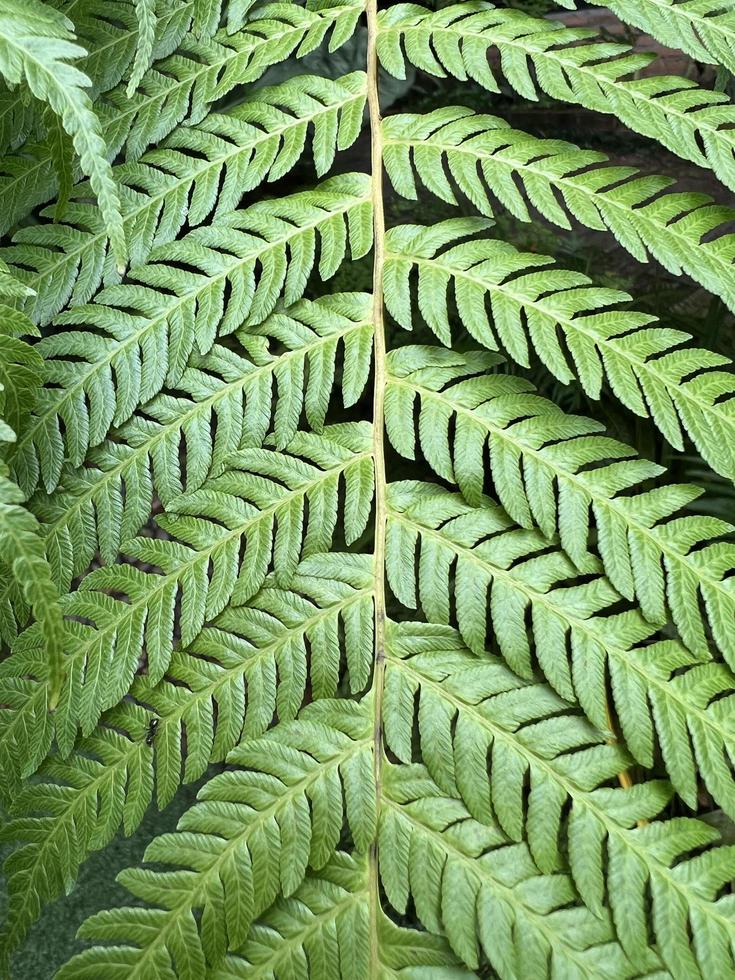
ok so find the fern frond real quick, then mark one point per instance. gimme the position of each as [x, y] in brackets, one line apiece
[145, 330]
[181, 88]
[571, 65]
[230, 681]
[297, 935]
[37, 48]
[107, 30]
[705, 30]
[224, 401]
[145, 12]
[75, 806]
[506, 572]
[468, 881]
[200, 172]
[21, 365]
[470, 708]
[23, 560]
[553, 471]
[646, 365]
[685, 232]
[250, 837]
[220, 543]
[255, 663]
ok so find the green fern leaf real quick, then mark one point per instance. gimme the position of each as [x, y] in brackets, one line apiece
[182, 87]
[693, 122]
[657, 688]
[36, 47]
[682, 391]
[76, 806]
[239, 268]
[553, 471]
[302, 347]
[200, 172]
[221, 542]
[435, 845]
[468, 708]
[682, 231]
[107, 30]
[298, 935]
[262, 827]
[145, 11]
[706, 31]
[230, 681]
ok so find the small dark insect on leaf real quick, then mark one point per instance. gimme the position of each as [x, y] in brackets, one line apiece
[151, 733]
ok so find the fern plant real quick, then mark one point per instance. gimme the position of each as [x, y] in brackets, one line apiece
[453, 667]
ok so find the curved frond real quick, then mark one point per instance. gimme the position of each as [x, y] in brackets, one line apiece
[475, 562]
[557, 471]
[646, 365]
[138, 336]
[570, 64]
[684, 231]
[199, 173]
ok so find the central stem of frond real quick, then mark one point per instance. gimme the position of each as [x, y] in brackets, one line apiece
[376, 144]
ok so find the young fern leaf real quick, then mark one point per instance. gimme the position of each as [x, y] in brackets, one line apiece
[554, 471]
[237, 269]
[484, 157]
[647, 367]
[693, 122]
[199, 173]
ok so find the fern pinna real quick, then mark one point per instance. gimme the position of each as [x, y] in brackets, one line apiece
[453, 666]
